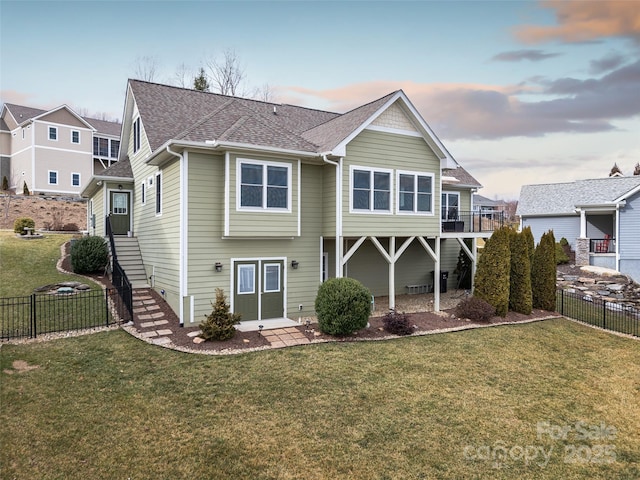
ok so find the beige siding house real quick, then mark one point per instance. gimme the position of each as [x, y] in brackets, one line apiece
[54, 151]
[266, 201]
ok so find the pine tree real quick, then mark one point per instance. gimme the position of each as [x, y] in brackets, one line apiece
[520, 296]
[219, 325]
[492, 275]
[200, 82]
[615, 170]
[543, 273]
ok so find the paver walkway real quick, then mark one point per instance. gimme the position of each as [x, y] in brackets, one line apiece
[153, 325]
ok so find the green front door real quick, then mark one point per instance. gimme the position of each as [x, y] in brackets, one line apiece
[272, 297]
[119, 211]
[246, 290]
[259, 289]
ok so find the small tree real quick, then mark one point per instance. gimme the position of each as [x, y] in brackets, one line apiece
[463, 270]
[343, 306]
[21, 223]
[219, 325]
[5, 183]
[543, 273]
[200, 82]
[25, 189]
[492, 275]
[520, 299]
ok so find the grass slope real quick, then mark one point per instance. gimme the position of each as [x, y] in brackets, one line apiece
[29, 264]
[110, 406]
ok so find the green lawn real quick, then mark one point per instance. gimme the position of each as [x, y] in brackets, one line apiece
[110, 406]
[29, 264]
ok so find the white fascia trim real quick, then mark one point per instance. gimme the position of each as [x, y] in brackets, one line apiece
[215, 145]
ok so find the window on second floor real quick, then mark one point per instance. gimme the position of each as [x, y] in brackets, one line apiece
[370, 190]
[53, 177]
[75, 136]
[415, 192]
[264, 185]
[75, 179]
[53, 133]
[159, 193]
[105, 147]
[136, 135]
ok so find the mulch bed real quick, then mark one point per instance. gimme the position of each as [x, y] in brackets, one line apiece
[423, 322]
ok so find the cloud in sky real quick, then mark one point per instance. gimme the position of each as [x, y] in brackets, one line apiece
[585, 21]
[608, 62]
[475, 111]
[518, 55]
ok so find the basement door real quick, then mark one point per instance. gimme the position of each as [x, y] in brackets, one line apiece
[119, 212]
[259, 289]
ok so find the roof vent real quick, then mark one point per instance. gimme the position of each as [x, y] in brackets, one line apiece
[275, 110]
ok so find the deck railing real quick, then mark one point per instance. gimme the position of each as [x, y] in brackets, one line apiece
[471, 222]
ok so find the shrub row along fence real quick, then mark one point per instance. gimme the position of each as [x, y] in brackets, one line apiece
[599, 312]
[36, 314]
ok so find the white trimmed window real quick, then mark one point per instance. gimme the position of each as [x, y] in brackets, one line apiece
[136, 135]
[143, 193]
[450, 203]
[246, 279]
[264, 185]
[53, 133]
[415, 192]
[370, 190]
[75, 136]
[271, 277]
[159, 193]
[75, 179]
[53, 177]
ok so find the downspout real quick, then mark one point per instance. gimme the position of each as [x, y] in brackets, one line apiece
[183, 233]
[338, 245]
[617, 237]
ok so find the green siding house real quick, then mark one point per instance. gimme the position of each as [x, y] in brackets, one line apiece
[266, 201]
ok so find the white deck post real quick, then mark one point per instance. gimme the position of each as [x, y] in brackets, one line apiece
[392, 273]
[436, 277]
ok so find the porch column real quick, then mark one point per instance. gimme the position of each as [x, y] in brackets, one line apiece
[436, 277]
[339, 257]
[474, 263]
[583, 224]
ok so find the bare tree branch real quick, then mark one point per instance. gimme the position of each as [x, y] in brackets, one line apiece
[146, 68]
[226, 75]
[183, 76]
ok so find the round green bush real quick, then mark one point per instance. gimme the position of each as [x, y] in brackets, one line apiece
[22, 222]
[89, 254]
[343, 306]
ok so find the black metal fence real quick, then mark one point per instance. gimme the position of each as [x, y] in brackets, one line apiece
[599, 312]
[39, 313]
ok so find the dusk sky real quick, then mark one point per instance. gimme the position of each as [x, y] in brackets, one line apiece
[520, 92]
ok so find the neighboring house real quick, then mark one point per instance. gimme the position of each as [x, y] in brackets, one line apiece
[266, 201]
[54, 151]
[487, 206]
[600, 218]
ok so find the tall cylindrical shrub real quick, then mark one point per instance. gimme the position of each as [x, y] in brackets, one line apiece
[520, 299]
[343, 305]
[543, 273]
[89, 254]
[492, 275]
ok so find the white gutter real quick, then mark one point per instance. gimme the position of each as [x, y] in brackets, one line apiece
[183, 231]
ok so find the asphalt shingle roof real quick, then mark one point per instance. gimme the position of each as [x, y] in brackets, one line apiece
[463, 177]
[22, 114]
[562, 198]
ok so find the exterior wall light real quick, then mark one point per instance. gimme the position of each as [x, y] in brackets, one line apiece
[218, 267]
[294, 264]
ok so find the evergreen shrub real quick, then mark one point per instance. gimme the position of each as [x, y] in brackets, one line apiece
[343, 306]
[543, 273]
[520, 299]
[89, 254]
[219, 324]
[22, 222]
[492, 274]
